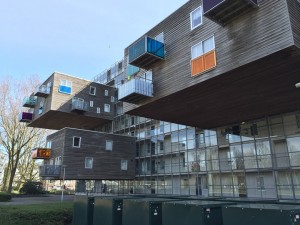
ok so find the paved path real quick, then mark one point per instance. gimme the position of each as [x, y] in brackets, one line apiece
[37, 200]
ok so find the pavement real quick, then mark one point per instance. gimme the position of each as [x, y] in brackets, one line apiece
[38, 200]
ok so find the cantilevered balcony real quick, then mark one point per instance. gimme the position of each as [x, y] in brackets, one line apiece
[50, 171]
[145, 52]
[42, 91]
[41, 153]
[25, 117]
[224, 11]
[30, 101]
[135, 90]
[79, 105]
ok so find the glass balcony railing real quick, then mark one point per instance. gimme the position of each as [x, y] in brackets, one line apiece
[224, 11]
[41, 153]
[79, 105]
[135, 90]
[30, 102]
[50, 171]
[25, 117]
[42, 91]
[145, 52]
[131, 70]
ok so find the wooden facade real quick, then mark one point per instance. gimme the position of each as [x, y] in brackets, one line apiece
[56, 110]
[106, 164]
[257, 66]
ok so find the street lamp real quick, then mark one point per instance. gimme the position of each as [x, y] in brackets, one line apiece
[63, 184]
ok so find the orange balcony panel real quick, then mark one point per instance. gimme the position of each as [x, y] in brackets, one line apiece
[40, 153]
[203, 63]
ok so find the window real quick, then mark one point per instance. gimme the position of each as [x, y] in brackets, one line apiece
[65, 87]
[91, 103]
[124, 164]
[92, 90]
[76, 142]
[106, 92]
[98, 110]
[41, 108]
[260, 183]
[109, 145]
[196, 18]
[106, 108]
[203, 56]
[49, 143]
[88, 162]
[112, 99]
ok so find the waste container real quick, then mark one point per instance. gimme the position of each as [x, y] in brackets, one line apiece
[193, 212]
[109, 210]
[261, 214]
[143, 211]
[83, 210]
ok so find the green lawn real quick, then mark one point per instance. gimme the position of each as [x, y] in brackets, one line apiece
[37, 214]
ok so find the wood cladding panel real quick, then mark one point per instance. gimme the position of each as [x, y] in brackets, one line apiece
[294, 10]
[106, 164]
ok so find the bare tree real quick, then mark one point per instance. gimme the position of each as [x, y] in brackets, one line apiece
[15, 138]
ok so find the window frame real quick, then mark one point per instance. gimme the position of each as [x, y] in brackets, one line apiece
[86, 166]
[105, 107]
[112, 99]
[201, 17]
[98, 110]
[202, 47]
[106, 145]
[79, 144]
[91, 104]
[124, 164]
[92, 93]
[106, 92]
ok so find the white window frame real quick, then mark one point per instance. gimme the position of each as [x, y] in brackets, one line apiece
[201, 44]
[191, 18]
[109, 145]
[112, 98]
[74, 142]
[107, 108]
[91, 104]
[124, 165]
[98, 110]
[106, 92]
[86, 164]
[92, 92]
[66, 83]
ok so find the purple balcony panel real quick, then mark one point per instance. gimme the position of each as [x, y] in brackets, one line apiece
[25, 117]
[209, 4]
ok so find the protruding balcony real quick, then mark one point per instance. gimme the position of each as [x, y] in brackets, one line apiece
[131, 70]
[50, 171]
[30, 101]
[224, 11]
[41, 153]
[135, 90]
[42, 91]
[145, 52]
[79, 105]
[25, 117]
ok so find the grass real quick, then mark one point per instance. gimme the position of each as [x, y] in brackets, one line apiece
[37, 214]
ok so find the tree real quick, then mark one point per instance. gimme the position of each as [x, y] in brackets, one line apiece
[16, 139]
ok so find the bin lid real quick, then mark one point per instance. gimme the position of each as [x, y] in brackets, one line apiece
[202, 203]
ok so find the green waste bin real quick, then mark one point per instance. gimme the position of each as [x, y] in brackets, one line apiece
[193, 212]
[143, 211]
[83, 210]
[109, 210]
[261, 214]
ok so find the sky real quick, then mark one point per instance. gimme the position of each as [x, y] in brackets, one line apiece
[77, 37]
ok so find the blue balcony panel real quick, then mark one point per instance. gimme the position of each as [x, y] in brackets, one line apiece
[30, 102]
[65, 89]
[225, 11]
[135, 90]
[145, 52]
[25, 117]
[50, 171]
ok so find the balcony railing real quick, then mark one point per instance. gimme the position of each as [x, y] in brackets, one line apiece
[42, 91]
[25, 117]
[135, 90]
[224, 11]
[145, 52]
[50, 171]
[79, 105]
[131, 70]
[30, 102]
[41, 153]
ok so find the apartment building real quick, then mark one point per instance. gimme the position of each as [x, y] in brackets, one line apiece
[217, 78]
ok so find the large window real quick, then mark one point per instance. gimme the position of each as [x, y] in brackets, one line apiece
[196, 17]
[88, 162]
[76, 142]
[65, 87]
[203, 56]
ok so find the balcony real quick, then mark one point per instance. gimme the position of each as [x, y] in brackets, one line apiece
[30, 102]
[50, 171]
[224, 11]
[42, 91]
[145, 52]
[131, 70]
[79, 105]
[25, 117]
[135, 90]
[40, 153]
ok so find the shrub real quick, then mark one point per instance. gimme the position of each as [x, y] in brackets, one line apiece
[4, 197]
[32, 187]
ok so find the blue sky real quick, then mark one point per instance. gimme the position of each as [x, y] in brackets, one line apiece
[76, 37]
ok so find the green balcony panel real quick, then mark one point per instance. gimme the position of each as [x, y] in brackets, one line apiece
[30, 102]
[145, 52]
[132, 70]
